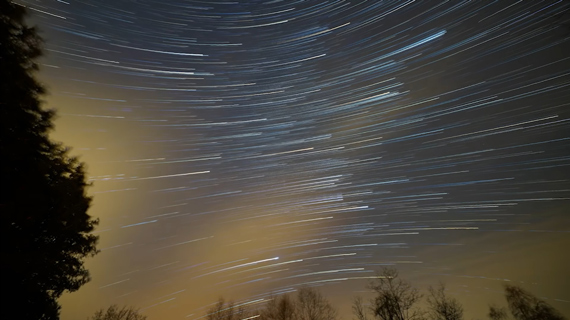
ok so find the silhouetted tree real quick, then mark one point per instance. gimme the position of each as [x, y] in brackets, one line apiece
[223, 310]
[523, 305]
[279, 308]
[358, 309]
[497, 313]
[312, 305]
[395, 298]
[307, 304]
[220, 311]
[116, 313]
[442, 307]
[44, 222]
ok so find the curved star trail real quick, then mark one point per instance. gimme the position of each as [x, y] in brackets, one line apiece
[244, 148]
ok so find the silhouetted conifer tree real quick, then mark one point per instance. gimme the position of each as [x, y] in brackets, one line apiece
[43, 206]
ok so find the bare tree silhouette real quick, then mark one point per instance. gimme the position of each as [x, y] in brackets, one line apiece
[497, 313]
[312, 305]
[116, 313]
[395, 298]
[223, 310]
[525, 306]
[359, 309]
[279, 308]
[442, 307]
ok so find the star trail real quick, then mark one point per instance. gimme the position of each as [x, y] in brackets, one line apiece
[246, 148]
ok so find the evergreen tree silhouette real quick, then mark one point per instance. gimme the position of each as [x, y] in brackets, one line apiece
[43, 204]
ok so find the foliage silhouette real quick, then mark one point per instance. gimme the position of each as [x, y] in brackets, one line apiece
[524, 306]
[44, 222]
[497, 313]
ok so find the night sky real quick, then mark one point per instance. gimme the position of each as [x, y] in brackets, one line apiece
[243, 148]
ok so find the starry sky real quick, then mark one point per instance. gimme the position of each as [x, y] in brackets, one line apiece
[242, 148]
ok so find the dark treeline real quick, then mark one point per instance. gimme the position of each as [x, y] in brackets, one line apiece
[393, 299]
